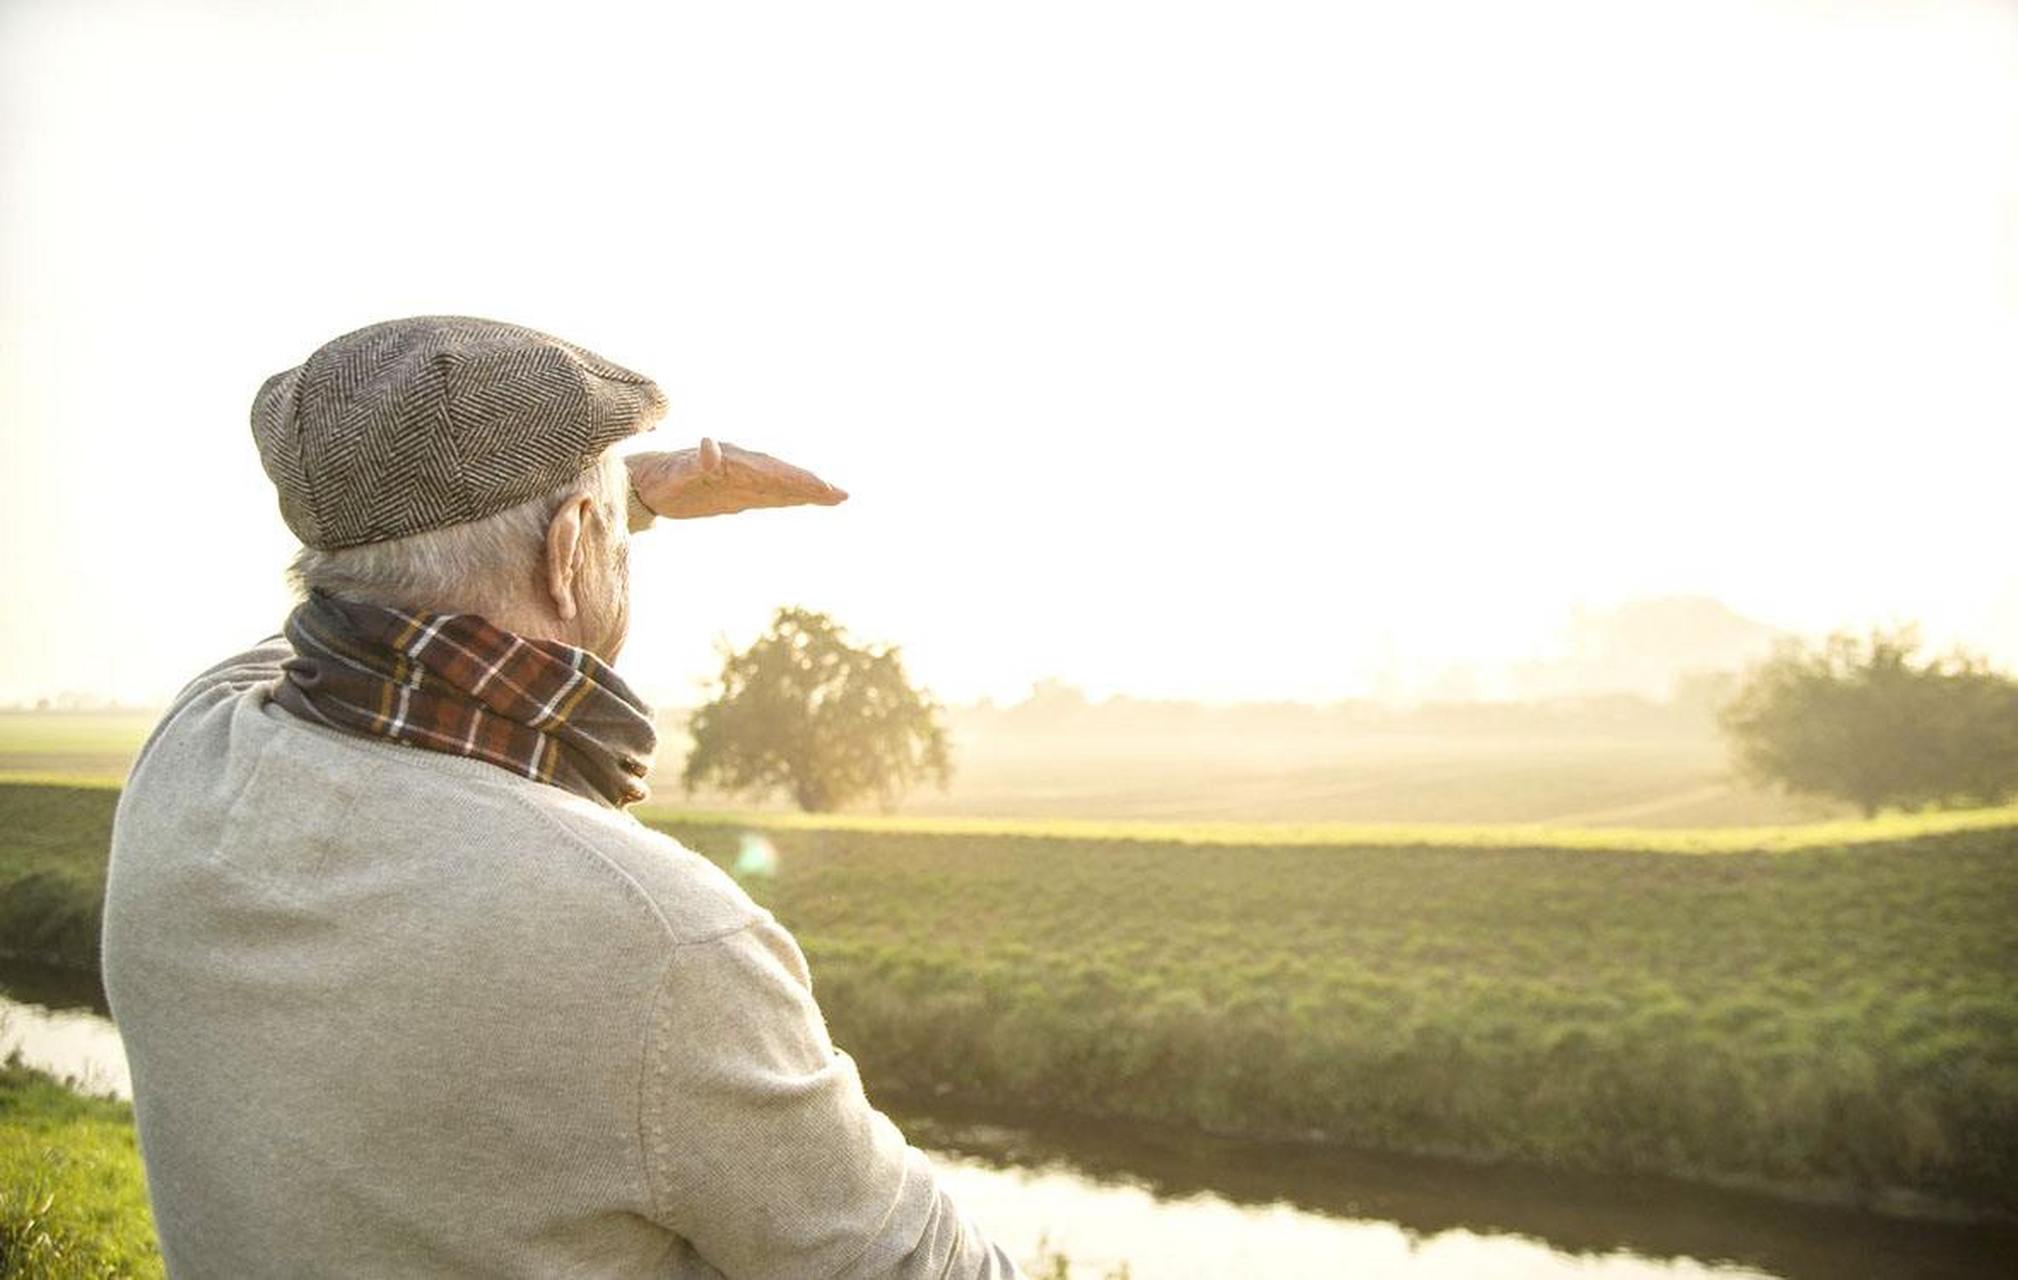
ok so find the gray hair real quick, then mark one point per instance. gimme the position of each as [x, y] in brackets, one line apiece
[488, 566]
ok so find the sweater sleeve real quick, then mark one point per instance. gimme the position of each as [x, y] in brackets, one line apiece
[760, 1147]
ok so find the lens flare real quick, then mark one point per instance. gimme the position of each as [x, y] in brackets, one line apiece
[756, 856]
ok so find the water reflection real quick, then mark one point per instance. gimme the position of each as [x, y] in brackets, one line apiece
[58, 1022]
[1180, 1206]
[1100, 1225]
[1321, 1211]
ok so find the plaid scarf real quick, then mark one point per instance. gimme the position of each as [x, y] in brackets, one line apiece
[453, 682]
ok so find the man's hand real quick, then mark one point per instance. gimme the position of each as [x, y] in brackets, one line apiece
[716, 479]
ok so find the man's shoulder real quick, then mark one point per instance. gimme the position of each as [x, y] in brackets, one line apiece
[226, 755]
[694, 899]
[258, 665]
[575, 857]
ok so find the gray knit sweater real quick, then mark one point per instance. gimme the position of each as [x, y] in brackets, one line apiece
[397, 1013]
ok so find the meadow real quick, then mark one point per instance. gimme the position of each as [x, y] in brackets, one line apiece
[1838, 1021]
[1830, 1012]
[72, 746]
[1554, 779]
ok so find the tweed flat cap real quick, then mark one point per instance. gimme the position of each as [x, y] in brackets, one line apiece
[429, 421]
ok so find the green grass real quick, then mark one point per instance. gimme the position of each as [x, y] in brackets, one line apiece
[1839, 1019]
[73, 1200]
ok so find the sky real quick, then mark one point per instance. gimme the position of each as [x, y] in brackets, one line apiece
[1223, 351]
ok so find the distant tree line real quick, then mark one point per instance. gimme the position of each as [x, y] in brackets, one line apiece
[1057, 707]
[1859, 719]
[1862, 719]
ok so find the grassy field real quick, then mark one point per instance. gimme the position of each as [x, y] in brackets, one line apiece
[73, 1202]
[1564, 780]
[1559, 781]
[1831, 1011]
[81, 746]
[1840, 1017]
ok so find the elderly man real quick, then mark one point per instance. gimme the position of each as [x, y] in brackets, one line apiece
[406, 989]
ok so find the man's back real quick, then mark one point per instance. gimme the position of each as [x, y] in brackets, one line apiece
[394, 1011]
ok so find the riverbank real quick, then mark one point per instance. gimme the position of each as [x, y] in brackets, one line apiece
[73, 1201]
[1834, 1022]
[54, 840]
[1837, 1024]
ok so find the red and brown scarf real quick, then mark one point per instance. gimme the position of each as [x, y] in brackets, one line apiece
[453, 682]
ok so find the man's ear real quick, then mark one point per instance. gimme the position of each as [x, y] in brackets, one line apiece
[566, 550]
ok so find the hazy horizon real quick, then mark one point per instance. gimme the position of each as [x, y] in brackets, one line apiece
[1642, 649]
[1274, 353]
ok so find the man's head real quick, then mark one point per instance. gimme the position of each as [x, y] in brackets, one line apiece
[461, 465]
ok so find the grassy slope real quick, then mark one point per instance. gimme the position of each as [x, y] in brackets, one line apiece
[73, 1201]
[53, 845]
[1842, 1018]
[1838, 1009]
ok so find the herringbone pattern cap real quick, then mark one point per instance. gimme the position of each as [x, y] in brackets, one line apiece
[429, 421]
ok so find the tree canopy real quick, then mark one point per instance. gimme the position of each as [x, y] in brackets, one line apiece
[804, 711]
[1859, 719]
